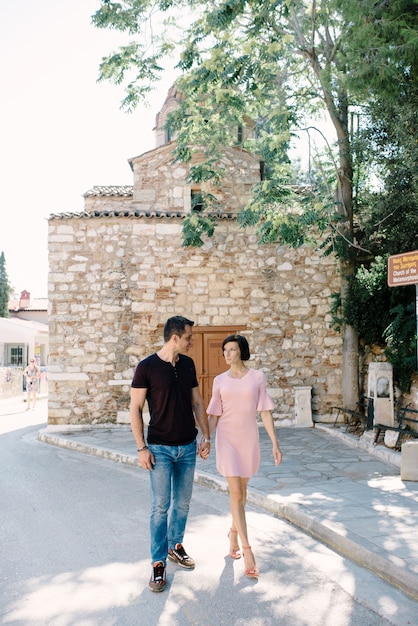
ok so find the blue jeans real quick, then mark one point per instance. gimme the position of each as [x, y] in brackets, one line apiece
[171, 484]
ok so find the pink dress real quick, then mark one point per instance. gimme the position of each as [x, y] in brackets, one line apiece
[236, 401]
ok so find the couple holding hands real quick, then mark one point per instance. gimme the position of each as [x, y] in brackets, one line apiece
[167, 381]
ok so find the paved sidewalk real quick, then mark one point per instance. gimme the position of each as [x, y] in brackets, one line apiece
[349, 497]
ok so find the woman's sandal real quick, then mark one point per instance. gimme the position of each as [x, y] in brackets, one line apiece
[234, 554]
[251, 572]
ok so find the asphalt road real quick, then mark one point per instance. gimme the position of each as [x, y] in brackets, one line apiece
[74, 551]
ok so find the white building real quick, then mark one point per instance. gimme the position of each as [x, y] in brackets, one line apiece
[20, 340]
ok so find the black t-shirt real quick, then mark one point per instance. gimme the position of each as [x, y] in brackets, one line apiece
[169, 396]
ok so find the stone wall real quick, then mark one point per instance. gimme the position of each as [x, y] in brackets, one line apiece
[160, 185]
[115, 280]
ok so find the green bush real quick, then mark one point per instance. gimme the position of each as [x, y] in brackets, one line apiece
[381, 315]
[401, 344]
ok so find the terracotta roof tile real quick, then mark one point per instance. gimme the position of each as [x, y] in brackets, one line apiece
[35, 304]
[110, 190]
[132, 213]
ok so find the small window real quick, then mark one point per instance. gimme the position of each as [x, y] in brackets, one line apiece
[197, 201]
[16, 355]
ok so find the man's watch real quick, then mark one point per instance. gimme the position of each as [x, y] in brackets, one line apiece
[206, 440]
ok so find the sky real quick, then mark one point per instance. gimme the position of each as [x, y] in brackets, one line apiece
[61, 132]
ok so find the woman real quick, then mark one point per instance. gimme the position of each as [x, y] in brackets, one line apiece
[32, 373]
[237, 395]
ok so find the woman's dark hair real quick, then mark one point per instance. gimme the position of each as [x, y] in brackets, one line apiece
[244, 348]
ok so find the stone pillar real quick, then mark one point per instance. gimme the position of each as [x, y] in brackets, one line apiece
[380, 391]
[409, 460]
[303, 410]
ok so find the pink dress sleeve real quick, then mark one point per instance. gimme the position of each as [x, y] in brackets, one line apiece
[265, 403]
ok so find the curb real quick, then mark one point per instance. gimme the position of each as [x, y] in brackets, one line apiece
[385, 569]
[104, 453]
[383, 454]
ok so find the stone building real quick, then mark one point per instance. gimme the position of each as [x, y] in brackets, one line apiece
[118, 271]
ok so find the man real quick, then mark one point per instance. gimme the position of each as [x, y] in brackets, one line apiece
[167, 380]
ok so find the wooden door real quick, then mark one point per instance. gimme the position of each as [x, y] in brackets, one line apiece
[213, 362]
[207, 354]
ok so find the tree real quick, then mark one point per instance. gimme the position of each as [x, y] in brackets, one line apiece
[274, 60]
[387, 142]
[4, 288]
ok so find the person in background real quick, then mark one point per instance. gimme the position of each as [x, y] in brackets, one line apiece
[32, 373]
[167, 380]
[237, 395]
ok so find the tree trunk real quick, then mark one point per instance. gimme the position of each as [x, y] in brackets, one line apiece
[350, 356]
[350, 368]
[336, 103]
[344, 197]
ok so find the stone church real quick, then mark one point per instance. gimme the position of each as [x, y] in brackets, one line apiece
[118, 270]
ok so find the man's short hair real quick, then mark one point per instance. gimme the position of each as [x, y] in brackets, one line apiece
[244, 348]
[176, 326]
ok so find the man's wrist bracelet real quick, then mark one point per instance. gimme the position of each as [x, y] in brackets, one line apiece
[206, 440]
[143, 448]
